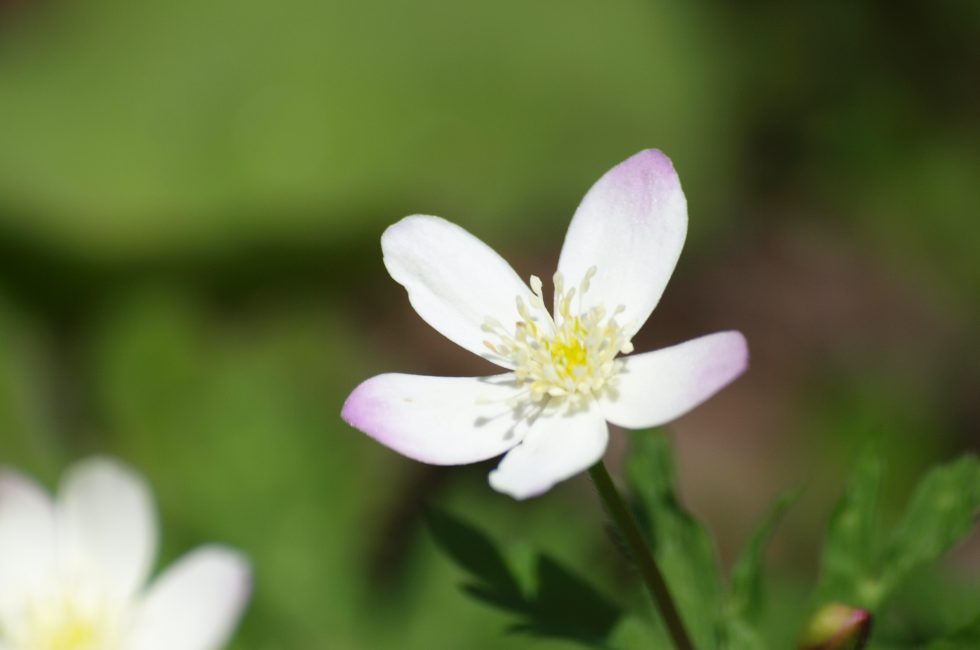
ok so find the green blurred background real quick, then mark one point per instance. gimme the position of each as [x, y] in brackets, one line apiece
[192, 192]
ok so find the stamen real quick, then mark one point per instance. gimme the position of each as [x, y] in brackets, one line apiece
[536, 285]
[574, 358]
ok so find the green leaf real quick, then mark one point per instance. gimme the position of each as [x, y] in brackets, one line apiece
[562, 605]
[682, 547]
[850, 551]
[566, 606]
[476, 553]
[746, 599]
[942, 511]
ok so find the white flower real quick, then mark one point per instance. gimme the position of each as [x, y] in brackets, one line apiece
[73, 571]
[565, 377]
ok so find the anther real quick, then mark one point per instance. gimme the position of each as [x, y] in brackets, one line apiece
[536, 286]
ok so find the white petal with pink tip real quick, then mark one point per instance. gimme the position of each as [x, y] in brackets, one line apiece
[630, 227]
[657, 387]
[438, 420]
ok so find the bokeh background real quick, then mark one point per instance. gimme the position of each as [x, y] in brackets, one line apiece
[192, 192]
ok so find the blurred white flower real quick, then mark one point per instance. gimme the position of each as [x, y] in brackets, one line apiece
[566, 378]
[73, 571]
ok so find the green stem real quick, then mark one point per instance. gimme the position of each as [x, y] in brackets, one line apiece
[642, 556]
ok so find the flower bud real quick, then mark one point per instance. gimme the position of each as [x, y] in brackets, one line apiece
[837, 627]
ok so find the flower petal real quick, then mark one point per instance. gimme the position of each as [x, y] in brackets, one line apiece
[454, 280]
[195, 604]
[631, 226]
[657, 387]
[27, 537]
[109, 522]
[556, 448]
[438, 420]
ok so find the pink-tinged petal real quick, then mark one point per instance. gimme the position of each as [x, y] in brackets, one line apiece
[195, 604]
[657, 387]
[631, 226]
[108, 521]
[556, 448]
[438, 420]
[28, 553]
[454, 280]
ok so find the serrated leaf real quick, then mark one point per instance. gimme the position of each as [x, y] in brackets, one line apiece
[565, 606]
[682, 547]
[473, 551]
[850, 551]
[561, 605]
[942, 511]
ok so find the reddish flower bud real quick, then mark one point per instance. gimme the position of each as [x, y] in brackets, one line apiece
[837, 627]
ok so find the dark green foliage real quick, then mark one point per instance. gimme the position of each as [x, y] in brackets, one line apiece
[477, 554]
[560, 604]
[567, 606]
[861, 565]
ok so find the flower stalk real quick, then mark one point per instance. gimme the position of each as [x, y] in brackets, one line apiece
[641, 554]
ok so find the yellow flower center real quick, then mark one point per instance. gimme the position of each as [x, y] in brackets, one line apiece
[569, 355]
[73, 634]
[67, 623]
